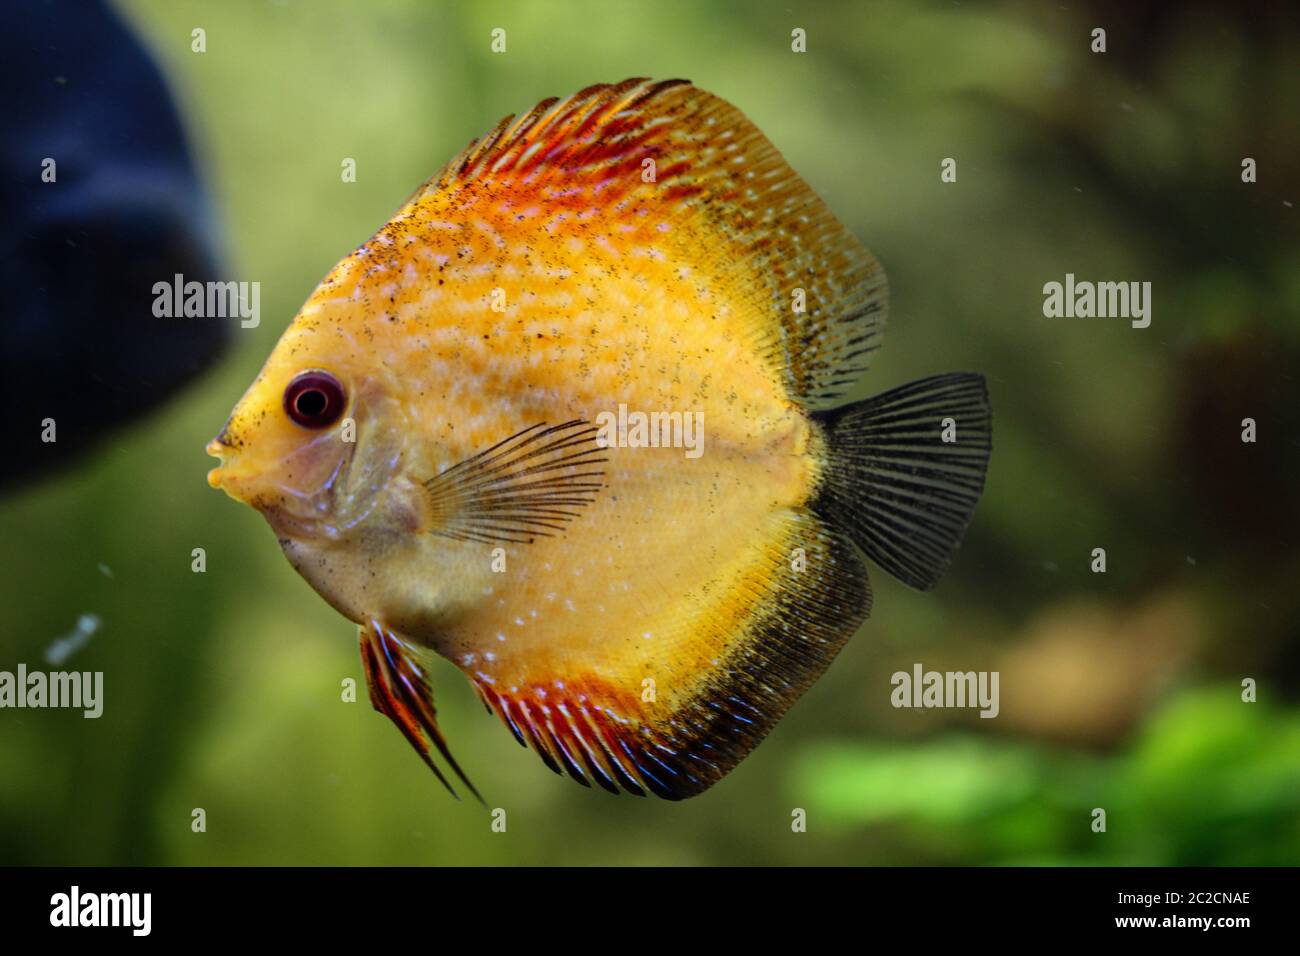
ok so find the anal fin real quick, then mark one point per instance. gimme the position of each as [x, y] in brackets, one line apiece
[761, 637]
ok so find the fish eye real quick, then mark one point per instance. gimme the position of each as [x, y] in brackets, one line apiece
[314, 399]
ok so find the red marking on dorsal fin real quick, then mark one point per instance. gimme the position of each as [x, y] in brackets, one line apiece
[721, 198]
[607, 124]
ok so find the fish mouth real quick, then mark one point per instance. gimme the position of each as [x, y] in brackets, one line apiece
[223, 476]
[293, 512]
[217, 449]
[227, 476]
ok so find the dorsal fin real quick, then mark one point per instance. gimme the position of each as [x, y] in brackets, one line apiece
[559, 134]
[735, 208]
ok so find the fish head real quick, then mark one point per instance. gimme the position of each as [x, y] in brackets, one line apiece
[317, 440]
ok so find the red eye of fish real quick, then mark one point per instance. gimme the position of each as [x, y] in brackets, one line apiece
[314, 400]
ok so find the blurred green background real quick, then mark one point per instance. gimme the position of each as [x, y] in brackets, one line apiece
[1119, 690]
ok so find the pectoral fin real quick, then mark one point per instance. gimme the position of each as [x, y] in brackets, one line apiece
[524, 487]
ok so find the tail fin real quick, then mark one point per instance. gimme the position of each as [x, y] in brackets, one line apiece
[902, 479]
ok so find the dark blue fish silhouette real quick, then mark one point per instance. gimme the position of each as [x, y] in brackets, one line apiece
[79, 342]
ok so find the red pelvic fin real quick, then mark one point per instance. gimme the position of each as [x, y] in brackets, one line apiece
[400, 691]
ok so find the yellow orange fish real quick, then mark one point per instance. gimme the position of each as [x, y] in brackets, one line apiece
[469, 439]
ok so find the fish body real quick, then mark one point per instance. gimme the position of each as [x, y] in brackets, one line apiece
[436, 440]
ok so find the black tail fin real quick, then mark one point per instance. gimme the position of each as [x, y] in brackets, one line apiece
[902, 479]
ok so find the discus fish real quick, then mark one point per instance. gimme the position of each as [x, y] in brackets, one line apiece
[465, 440]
